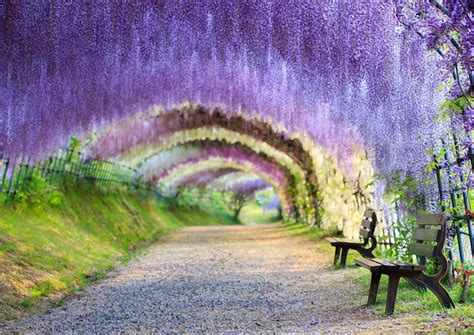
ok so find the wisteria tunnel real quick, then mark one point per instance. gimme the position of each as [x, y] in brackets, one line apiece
[315, 115]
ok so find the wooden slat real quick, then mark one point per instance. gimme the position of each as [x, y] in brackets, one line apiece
[384, 262]
[330, 239]
[409, 266]
[341, 239]
[431, 219]
[367, 263]
[425, 234]
[420, 249]
[363, 233]
[351, 243]
[368, 214]
[366, 224]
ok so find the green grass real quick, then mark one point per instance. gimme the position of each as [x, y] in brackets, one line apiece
[252, 213]
[313, 233]
[49, 251]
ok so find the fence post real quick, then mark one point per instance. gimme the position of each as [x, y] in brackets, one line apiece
[4, 175]
[25, 177]
[465, 196]
[10, 181]
[452, 194]
[16, 186]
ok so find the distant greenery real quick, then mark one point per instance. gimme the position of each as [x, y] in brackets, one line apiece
[218, 203]
[215, 202]
[252, 214]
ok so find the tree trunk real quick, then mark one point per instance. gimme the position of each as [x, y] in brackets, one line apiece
[237, 211]
[280, 214]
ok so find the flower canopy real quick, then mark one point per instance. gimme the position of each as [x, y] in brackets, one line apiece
[318, 81]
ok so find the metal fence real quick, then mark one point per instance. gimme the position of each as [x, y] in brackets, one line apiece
[19, 173]
[452, 181]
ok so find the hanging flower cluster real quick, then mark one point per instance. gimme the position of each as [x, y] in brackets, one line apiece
[230, 154]
[205, 179]
[446, 27]
[245, 185]
[346, 79]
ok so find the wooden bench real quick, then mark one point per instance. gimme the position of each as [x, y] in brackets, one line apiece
[427, 241]
[366, 235]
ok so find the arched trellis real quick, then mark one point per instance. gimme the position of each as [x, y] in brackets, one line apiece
[148, 128]
[205, 178]
[182, 171]
[243, 163]
[136, 155]
[295, 177]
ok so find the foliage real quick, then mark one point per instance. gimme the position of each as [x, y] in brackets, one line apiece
[339, 75]
[40, 190]
[252, 214]
[402, 191]
[400, 236]
[236, 201]
[463, 278]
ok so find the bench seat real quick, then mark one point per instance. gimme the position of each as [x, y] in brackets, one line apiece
[383, 265]
[335, 241]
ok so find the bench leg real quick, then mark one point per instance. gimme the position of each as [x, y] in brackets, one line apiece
[337, 254]
[416, 284]
[438, 290]
[393, 280]
[374, 288]
[344, 256]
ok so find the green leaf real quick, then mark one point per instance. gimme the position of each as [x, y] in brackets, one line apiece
[448, 84]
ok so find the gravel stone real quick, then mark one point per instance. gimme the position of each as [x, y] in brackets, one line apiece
[230, 279]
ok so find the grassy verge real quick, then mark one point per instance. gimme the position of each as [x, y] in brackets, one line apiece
[315, 234]
[252, 213]
[51, 249]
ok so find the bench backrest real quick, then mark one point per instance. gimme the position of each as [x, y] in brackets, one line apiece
[367, 227]
[429, 237]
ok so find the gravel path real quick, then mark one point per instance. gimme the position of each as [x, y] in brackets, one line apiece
[221, 279]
